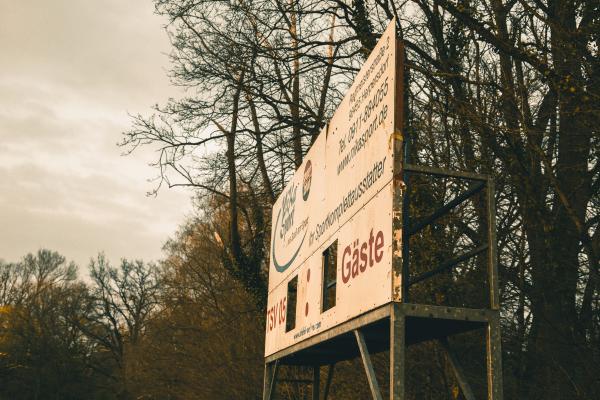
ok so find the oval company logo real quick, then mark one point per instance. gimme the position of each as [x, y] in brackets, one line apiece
[289, 236]
[307, 180]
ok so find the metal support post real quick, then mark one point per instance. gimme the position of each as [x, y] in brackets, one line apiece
[494, 359]
[397, 353]
[316, 382]
[267, 381]
[491, 236]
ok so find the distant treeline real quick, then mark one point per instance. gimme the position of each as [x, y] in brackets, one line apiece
[180, 329]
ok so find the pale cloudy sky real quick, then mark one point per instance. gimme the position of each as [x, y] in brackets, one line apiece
[70, 72]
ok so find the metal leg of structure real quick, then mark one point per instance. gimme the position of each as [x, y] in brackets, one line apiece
[267, 381]
[458, 370]
[397, 353]
[328, 381]
[491, 238]
[494, 359]
[316, 382]
[366, 358]
[270, 382]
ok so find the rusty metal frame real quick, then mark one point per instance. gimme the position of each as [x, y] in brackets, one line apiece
[480, 182]
[400, 317]
[346, 327]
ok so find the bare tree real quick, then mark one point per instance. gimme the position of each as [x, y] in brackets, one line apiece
[41, 351]
[122, 301]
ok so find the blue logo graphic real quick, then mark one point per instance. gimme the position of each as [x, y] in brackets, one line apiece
[283, 266]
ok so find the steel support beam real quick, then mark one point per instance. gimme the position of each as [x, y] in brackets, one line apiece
[303, 381]
[494, 359]
[328, 381]
[448, 264]
[442, 312]
[316, 382]
[491, 237]
[346, 327]
[397, 353]
[458, 200]
[422, 169]
[366, 359]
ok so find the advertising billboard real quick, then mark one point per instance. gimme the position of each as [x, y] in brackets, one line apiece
[331, 238]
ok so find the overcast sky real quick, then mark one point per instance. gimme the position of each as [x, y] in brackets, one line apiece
[70, 72]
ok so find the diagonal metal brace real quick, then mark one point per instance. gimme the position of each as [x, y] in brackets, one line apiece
[328, 381]
[273, 382]
[458, 370]
[448, 264]
[474, 189]
[366, 358]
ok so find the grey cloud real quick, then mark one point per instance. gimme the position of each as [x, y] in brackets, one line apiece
[80, 215]
[86, 44]
[71, 70]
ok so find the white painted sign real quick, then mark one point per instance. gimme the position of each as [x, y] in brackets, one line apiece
[342, 193]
